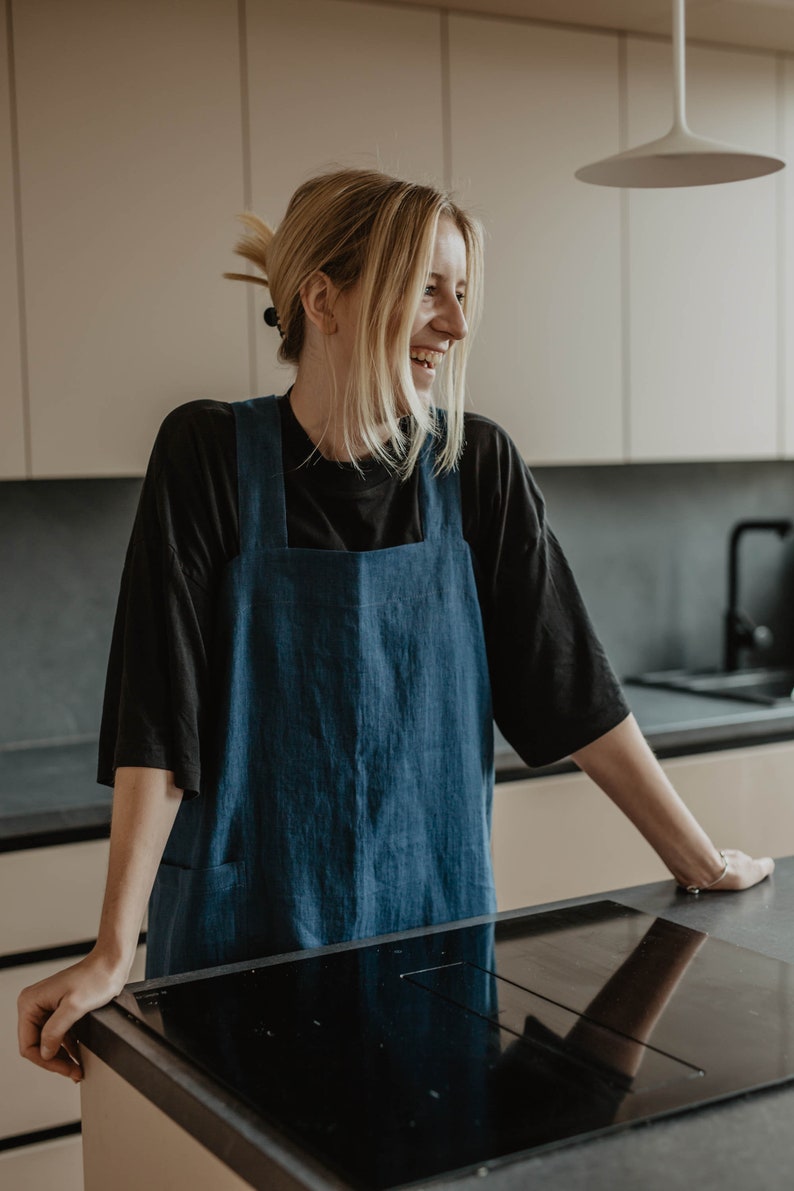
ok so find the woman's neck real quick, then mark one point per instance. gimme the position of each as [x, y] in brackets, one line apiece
[318, 410]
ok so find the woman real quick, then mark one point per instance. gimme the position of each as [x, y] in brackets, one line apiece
[327, 598]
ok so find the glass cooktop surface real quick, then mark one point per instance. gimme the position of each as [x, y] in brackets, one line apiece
[394, 1063]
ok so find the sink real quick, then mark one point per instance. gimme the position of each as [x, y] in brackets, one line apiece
[770, 686]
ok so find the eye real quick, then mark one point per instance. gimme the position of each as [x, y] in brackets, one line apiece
[461, 298]
[430, 291]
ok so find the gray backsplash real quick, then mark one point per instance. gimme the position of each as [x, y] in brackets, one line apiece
[648, 544]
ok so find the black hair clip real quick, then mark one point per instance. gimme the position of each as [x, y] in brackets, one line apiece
[271, 318]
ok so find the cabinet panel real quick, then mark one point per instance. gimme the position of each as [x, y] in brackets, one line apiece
[56, 894]
[129, 1143]
[787, 309]
[30, 1098]
[131, 176]
[558, 837]
[44, 1167]
[529, 105]
[742, 797]
[12, 444]
[336, 83]
[703, 269]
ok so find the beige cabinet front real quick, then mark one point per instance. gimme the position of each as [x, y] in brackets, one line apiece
[130, 175]
[559, 837]
[12, 438]
[336, 83]
[528, 105]
[705, 268]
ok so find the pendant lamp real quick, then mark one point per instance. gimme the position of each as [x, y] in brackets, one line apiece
[680, 158]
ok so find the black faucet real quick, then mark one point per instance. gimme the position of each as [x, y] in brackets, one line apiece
[740, 632]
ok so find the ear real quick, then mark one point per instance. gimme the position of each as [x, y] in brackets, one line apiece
[319, 295]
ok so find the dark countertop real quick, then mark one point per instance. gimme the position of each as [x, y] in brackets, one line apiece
[675, 724]
[742, 1142]
[49, 793]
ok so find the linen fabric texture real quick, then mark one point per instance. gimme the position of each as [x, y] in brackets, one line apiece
[552, 687]
[351, 782]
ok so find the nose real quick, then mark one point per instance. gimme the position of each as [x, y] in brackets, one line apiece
[451, 321]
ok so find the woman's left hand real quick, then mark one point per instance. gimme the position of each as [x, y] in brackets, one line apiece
[743, 871]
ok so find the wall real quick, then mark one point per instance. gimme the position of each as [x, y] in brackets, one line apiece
[647, 544]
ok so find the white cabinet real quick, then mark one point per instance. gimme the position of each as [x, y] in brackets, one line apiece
[703, 287]
[787, 257]
[130, 176]
[56, 894]
[44, 1166]
[558, 837]
[12, 438]
[32, 1099]
[54, 897]
[528, 105]
[334, 83]
[130, 1143]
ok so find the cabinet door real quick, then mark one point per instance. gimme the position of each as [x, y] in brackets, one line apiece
[56, 894]
[12, 441]
[44, 1166]
[529, 105]
[131, 176]
[32, 1099]
[335, 83]
[787, 304]
[558, 837]
[703, 285]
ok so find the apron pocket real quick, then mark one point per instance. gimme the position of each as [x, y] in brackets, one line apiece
[197, 919]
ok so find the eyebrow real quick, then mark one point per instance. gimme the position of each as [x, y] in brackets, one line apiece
[442, 277]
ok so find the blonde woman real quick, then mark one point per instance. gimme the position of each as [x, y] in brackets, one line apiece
[327, 598]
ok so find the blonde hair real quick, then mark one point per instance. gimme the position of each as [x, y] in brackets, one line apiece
[363, 227]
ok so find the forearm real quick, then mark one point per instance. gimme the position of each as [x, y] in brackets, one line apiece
[622, 764]
[145, 803]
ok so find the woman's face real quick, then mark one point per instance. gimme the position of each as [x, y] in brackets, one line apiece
[439, 321]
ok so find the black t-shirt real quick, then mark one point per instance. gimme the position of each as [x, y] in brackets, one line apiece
[553, 688]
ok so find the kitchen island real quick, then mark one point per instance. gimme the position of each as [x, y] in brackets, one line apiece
[745, 1141]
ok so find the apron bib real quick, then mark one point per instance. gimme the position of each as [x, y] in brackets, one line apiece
[350, 792]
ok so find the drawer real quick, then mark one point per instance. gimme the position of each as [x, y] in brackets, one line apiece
[56, 895]
[30, 1098]
[51, 1164]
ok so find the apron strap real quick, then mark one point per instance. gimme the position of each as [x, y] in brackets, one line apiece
[439, 496]
[260, 481]
[260, 474]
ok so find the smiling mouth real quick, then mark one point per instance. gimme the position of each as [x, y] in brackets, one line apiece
[427, 359]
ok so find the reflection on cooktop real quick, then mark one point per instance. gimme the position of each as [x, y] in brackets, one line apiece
[398, 1062]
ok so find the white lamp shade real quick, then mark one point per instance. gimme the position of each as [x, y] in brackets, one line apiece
[679, 159]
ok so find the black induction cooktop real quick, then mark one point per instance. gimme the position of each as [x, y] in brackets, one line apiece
[395, 1063]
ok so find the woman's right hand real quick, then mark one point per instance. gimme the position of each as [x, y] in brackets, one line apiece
[49, 1009]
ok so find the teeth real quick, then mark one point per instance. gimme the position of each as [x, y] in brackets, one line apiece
[432, 359]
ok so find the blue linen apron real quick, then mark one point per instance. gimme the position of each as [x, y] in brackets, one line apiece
[351, 794]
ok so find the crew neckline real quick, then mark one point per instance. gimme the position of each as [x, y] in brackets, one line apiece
[301, 453]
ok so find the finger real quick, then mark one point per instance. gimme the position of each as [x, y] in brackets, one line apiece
[744, 871]
[55, 1028]
[765, 867]
[72, 1048]
[29, 1026]
[62, 1065]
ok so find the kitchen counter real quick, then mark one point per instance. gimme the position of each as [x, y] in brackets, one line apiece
[677, 724]
[741, 1142]
[49, 794]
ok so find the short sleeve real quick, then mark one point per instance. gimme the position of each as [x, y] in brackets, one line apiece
[158, 692]
[554, 690]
